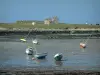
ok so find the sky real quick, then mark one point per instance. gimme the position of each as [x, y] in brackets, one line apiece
[68, 11]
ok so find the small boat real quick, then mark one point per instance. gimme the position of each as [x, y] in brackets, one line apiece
[82, 45]
[29, 51]
[35, 41]
[40, 55]
[58, 57]
[23, 40]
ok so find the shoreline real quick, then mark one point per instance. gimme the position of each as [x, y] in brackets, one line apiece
[50, 31]
[50, 36]
[45, 71]
[55, 33]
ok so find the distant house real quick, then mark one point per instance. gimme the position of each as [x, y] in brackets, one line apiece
[46, 22]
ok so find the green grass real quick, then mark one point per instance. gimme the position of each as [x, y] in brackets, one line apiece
[51, 26]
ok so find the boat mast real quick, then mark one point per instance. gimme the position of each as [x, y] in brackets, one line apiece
[34, 46]
[88, 38]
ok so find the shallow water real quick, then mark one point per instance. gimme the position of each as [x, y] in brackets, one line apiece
[12, 52]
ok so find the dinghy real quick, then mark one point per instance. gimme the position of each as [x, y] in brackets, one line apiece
[40, 55]
[82, 45]
[35, 41]
[23, 40]
[58, 57]
[29, 51]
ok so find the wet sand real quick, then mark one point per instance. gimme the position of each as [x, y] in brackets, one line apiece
[44, 71]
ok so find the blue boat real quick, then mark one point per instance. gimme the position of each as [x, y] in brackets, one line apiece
[40, 56]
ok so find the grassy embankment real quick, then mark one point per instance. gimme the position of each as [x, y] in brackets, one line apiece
[41, 25]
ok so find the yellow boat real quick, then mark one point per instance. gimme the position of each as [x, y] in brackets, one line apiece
[23, 40]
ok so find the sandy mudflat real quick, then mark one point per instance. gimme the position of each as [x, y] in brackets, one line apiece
[44, 71]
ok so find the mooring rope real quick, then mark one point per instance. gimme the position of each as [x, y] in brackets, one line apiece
[88, 38]
[28, 34]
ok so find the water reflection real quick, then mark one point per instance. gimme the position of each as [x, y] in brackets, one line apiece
[58, 63]
[83, 50]
[29, 59]
[39, 61]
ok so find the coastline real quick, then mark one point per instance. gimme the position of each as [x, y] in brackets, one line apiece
[41, 30]
[54, 33]
[45, 71]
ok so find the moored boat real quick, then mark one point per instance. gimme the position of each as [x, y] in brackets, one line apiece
[82, 45]
[23, 40]
[29, 51]
[58, 57]
[35, 41]
[40, 55]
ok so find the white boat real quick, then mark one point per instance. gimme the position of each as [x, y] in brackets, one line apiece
[35, 41]
[29, 51]
[24, 39]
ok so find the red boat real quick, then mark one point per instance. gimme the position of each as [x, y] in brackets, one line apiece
[82, 45]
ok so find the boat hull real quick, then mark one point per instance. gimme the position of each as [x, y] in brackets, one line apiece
[40, 56]
[23, 40]
[29, 51]
[58, 57]
[82, 45]
[35, 42]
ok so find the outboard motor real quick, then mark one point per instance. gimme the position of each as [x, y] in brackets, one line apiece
[58, 57]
